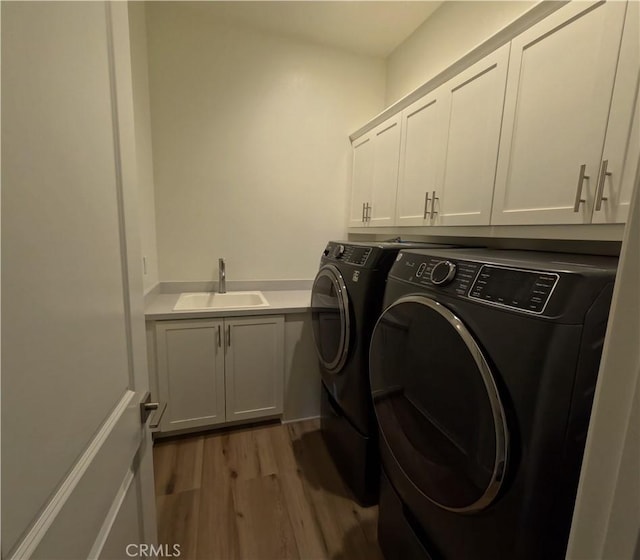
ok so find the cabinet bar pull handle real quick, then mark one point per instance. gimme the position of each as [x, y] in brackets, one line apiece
[426, 205]
[363, 207]
[581, 178]
[433, 205]
[368, 215]
[219, 337]
[229, 335]
[600, 190]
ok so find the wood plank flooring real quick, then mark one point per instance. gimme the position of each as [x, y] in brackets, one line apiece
[269, 492]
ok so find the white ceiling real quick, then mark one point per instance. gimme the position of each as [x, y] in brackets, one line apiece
[374, 28]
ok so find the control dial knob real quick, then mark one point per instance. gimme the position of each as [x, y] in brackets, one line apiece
[338, 251]
[443, 272]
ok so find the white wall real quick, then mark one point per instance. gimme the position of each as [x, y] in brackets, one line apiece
[144, 154]
[453, 30]
[251, 150]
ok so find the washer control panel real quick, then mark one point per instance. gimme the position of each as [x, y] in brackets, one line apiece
[450, 275]
[443, 273]
[527, 290]
[502, 286]
[351, 254]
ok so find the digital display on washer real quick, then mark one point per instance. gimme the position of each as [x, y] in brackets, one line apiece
[356, 255]
[514, 288]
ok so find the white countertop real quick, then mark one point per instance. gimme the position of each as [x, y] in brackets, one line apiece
[160, 306]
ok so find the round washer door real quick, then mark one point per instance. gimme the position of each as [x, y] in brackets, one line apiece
[437, 405]
[330, 318]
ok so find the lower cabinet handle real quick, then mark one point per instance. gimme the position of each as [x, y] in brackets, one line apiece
[601, 180]
[426, 205]
[433, 204]
[579, 200]
[219, 337]
[229, 335]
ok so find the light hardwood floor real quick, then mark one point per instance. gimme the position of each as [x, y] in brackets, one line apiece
[268, 492]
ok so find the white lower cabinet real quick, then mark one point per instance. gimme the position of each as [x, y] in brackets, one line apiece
[254, 367]
[213, 371]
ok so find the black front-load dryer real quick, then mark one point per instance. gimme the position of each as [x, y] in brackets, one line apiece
[346, 300]
[483, 367]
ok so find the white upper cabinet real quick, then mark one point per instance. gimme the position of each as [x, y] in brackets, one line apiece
[561, 75]
[375, 175]
[473, 104]
[621, 154]
[421, 158]
[386, 157]
[449, 148]
[544, 130]
[361, 180]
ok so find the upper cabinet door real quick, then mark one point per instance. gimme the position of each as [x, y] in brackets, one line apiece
[361, 180]
[473, 104]
[386, 158]
[561, 74]
[621, 154]
[421, 157]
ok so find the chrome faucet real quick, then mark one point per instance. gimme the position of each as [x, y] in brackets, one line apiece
[222, 277]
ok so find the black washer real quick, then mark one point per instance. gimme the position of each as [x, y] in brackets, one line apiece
[482, 390]
[346, 301]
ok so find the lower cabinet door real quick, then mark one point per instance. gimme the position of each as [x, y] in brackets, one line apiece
[254, 348]
[191, 373]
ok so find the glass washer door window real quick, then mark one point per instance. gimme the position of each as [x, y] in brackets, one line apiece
[437, 404]
[330, 318]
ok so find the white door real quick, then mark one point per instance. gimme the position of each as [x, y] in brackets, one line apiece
[361, 181]
[561, 74]
[473, 102]
[190, 361]
[421, 158]
[77, 479]
[254, 366]
[386, 159]
[621, 155]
